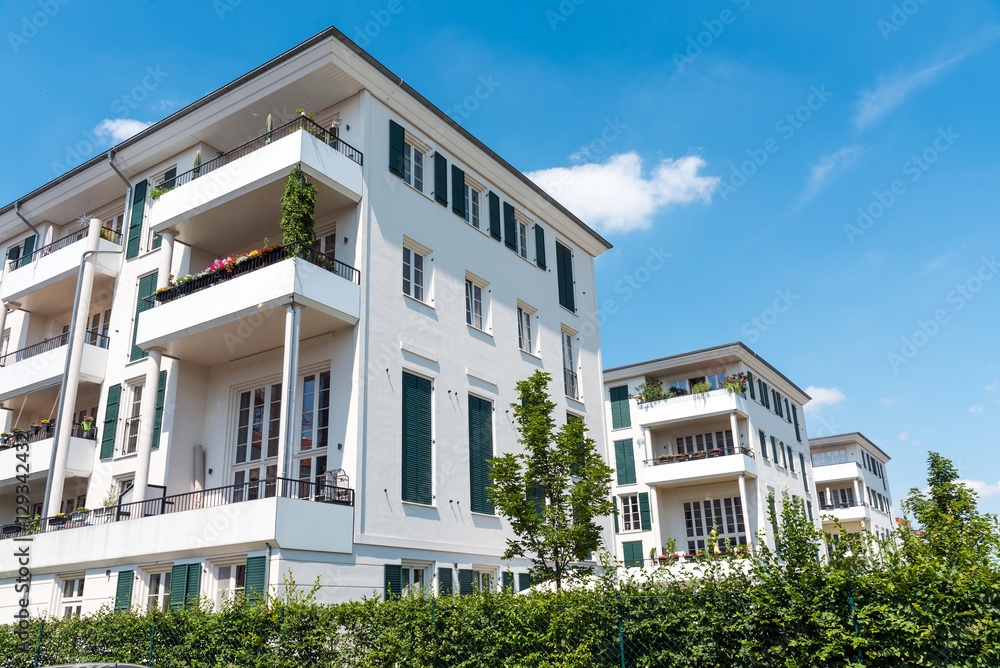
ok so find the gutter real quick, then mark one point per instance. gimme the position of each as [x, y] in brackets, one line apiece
[17, 212]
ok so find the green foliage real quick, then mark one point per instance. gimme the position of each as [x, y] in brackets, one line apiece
[651, 390]
[298, 205]
[553, 491]
[159, 191]
[701, 388]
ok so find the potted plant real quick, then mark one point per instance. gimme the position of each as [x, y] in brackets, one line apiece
[676, 392]
[46, 426]
[59, 520]
[698, 455]
[715, 453]
[701, 388]
[35, 428]
[736, 383]
[80, 514]
[86, 424]
[651, 390]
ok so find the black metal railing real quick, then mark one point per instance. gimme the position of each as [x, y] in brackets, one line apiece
[287, 488]
[251, 264]
[44, 432]
[843, 504]
[300, 123]
[71, 238]
[694, 456]
[91, 338]
[571, 383]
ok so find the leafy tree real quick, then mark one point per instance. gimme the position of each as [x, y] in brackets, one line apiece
[554, 490]
[298, 205]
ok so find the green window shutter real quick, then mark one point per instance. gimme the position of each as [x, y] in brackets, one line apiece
[135, 220]
[614, 500]
[564, 269]
[632, 551]
[255, 580]
[620, 415]
[123, 593]
[29, 246]
[397, 137]
[772, 515]
[495, 216]
[644, 518]
[458, 190]
[537, 494]
[507, 580]
[750, 385]
[178, 586]
[763, 441]
[809, 507]
[393, 581]
[466, 578]
[13, 253]
[784, 457]
[625, 462]
[110, 422]
[441, 179]
[193, 585]
[523, 581]
[480, 452]
[539, 246]
[147, 285]
[774, 449]
[161, 391]
[509, 226]
[445, 582]
[417, 471]
[795, 419]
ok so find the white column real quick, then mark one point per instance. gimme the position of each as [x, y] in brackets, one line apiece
[829, 499]
[857, 494]
[71, 382]
[736, 430]
[289, 379]
[3, 319]
[147, 420]
[647, 439]
[166, 257]
[746, 511]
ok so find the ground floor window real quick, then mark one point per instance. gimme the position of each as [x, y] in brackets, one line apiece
[630, 512]
[230, 580]
[72, 596]
[158, 591]
[724, 516]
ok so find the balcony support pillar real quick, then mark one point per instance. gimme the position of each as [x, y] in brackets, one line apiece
[734, 425]
[647, 439]
[147, 419]
[166, 258]
[857, 493]
[3, 320]
[289, 382]
[71, 377]
[746, 511]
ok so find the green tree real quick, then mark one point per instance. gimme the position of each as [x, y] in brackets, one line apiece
[554, 490]
[298, 206]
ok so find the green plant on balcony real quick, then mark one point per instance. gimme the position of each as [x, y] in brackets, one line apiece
[651, 390]
[156, 192]
[736, 383]
[676, 392]
[298, 211]
[86, 423]
[701, 388]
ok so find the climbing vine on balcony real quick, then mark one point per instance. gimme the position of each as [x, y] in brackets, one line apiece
[298, 210]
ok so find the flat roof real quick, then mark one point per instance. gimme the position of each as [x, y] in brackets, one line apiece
[334, 33]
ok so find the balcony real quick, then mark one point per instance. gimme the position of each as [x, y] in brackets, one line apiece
[837, 472]
[699, 467]
[39, 446]
[44, 282]
[41, 365]
[691, 407]
[847, 512]
[246, 185]
[236, 311]
[294, 514]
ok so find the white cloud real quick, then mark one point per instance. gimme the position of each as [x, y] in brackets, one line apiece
[886, 402]
[990, 388]
[823, 396]
[904, 435]
[982, 487]
[119, 129]
[892, 91]
[828, 167]
[935, 263]
[977, 408]
[616, 197]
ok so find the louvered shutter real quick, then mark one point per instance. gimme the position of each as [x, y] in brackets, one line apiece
[161, 391]
[539, 246]
[458, 190]
[614, 500]
[178, 586]
[564, 269]
[397, 138]
[393, 581]
[466, 578]
[509, 226]
[625, 462]
[147, 285]
[523, 581]
[255, 582]
[495, 216]
[417, 472]
[507, 580]
[123, 592]
[795, 420]
[110, 422]
[620, 409]
[440, 179]
[645, 521]
[193, 584]
[135, 219]
[480, 451]
[753, 395]
[445, 582]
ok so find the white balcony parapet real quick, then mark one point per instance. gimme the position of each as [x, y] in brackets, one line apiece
[699, 468]
[691, 406]
[58, 262]
[79, 463]
[837, 472]
[858, 512]
[42, 364]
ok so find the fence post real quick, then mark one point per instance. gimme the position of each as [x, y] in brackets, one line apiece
[621, 636]
[434, 627]
[854, 618]
[38, 645]
[152, 637]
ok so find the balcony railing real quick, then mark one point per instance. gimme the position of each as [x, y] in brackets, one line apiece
[92, 338]
[572, 386]
[694, 456]
[250, 264]
[71, 238]
[287, 488]
[32, 435]
[300, 123]
[844, 504]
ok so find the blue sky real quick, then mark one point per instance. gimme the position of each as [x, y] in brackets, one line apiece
[820, 174]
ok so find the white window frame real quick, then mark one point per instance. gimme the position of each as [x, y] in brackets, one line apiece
[415, 576]
[526, 339]
[134, 391]
[473, 204]
[249, 469]
[71, 590]
[829, 457]
[416, 275]
[228, 586]
[571, 362]
[477, 302]
[484, 578]
[156, 596]
[522, 239]
[316, 451]
[631, 520]
[703, 524]
[413, 164]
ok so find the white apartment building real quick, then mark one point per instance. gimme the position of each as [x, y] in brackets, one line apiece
[851, 484]
[703, 461]
[326, 410]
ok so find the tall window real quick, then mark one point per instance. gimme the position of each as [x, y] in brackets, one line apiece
[158, 596]
[230, 581]
[564, 273]
[829, 457]
[130, 445]
[258, 424]
[630, 512]
[314, 434]
[722, 515]
[522, 239]
[413, 578]
[72, 597]
[720, 442]
[472, 197]
[569, 367]
[473, 304]
[524, 340]
[413, 167]
[413, 274]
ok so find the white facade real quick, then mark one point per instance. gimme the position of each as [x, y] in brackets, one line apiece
[695, 463]
[231, 394]
[852, 484]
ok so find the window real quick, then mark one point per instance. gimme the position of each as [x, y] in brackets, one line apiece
[145, 289]
[417, 483]
[522, 239]
[809, 509]
[158, 591]
[413, 274]
[720, 442]
[784, 454]
[714, 380]
[484, 580]
[774, 449]
[838, 498]
[230, 580]
[630, 512]
[802, 464]
[114, 223]
[788, 410]
[327, 243]
[97, 329]
[777, 402]
[564, 272]
[569, 367]
[472, 204]
[829, 457]
[314, 433]
[413, 578]
[725, 516]
[524, 339]
[473, 304]
[413, 166]
[632, 552]
[131, 440]
[258, 425]
[791, 458]
[480, 453]
[72, 596]
[621, 416]
[680, 385]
